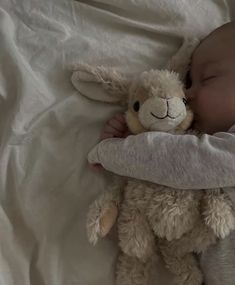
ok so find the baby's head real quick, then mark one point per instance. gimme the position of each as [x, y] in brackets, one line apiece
[212, 92]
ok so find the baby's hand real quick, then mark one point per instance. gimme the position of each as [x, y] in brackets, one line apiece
[116, 127]
[96, 166]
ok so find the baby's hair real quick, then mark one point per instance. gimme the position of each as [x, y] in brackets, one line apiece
[227, 31]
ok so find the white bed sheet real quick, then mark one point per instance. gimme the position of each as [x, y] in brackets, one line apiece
[47, 128]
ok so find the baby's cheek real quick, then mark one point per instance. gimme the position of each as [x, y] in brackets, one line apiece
[208, 112]
[202, 105]
[205, 100]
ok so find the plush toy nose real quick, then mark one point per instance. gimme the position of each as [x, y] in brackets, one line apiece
[174, 107]
[161, 107]
[161, 113]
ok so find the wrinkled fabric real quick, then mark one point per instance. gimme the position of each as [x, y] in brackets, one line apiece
[47, 128]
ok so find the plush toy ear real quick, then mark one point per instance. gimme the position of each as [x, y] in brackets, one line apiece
[180, 62]
[91, 81]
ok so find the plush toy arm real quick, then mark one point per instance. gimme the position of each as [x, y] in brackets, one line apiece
[103, 211]
[115, 84]
[180, 62]
[218, 212]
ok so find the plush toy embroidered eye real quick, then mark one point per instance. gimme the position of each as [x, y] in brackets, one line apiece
[136, 106]
[185, 101]
[188, 80]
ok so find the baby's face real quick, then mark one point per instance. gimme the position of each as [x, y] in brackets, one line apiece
[212, 93]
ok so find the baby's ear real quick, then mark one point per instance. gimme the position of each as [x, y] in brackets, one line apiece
[90, 81]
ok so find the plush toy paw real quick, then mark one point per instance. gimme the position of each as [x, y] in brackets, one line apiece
[101, 218]
[219, 216]
[222, 225]
[135, 236]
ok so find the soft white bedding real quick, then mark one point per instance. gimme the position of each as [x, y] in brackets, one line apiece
[47, 128]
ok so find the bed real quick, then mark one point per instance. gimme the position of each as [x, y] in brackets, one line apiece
[47, 127]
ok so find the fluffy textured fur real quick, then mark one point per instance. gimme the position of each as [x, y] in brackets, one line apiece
[155, 219]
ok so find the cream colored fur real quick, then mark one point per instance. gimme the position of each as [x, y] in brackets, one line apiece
[155, 219]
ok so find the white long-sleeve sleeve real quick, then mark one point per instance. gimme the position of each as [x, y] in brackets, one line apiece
[178, 161]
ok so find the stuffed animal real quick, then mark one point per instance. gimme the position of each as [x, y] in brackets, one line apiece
[155, 219]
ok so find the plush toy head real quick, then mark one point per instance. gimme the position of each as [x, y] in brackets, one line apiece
[156, 102]
[155, 99]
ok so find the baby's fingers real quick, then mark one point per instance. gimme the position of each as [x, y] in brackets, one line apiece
[112, 130]
[96, 166]
[117, 125]
[110, 135]
[106, 136]
[121, 118]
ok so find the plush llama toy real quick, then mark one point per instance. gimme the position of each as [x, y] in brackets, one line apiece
[154, 219]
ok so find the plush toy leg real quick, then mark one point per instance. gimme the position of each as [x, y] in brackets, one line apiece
[197, 240]
[201, 238]
[218, 212]
[178, 255]
[194, 276]
[184, 268]
[135, 235]
[131, 271]
[172, 213]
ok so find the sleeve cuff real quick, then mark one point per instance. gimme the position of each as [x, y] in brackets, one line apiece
[93, 155]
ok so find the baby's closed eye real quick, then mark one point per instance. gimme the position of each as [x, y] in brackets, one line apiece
[208, 77]
[211, 73]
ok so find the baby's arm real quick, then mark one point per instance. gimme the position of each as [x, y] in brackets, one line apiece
[116, 127]
[179, 161]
